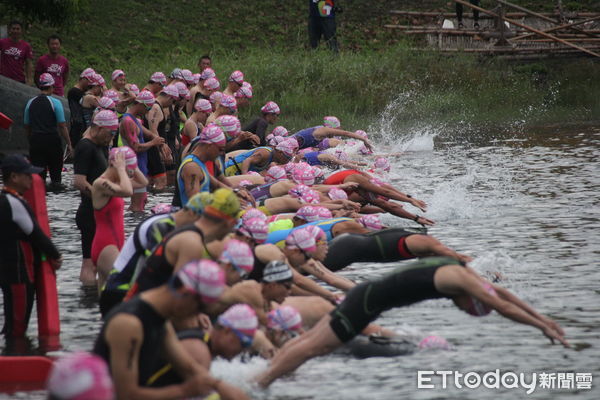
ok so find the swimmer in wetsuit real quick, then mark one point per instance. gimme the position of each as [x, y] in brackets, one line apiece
[384, 246]
[429, 278]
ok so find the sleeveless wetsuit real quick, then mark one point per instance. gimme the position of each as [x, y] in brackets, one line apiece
[232, 165]
[258, 269]
[337, 178]
[383, 246]
[207, 169]
[402, 287]
[312, 158]
[154, 328]
[305, 137]
[110, 229]
[164, 374]
[262, 192]
[158, 270]
[278, 237]
[137, 248]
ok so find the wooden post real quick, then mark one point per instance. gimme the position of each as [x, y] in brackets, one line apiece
[516, 23]
[557, 28]
[502, 40]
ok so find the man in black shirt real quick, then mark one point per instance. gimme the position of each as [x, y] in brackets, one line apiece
[74, 96]
[89, 162]
[270, 114]
[19, 224]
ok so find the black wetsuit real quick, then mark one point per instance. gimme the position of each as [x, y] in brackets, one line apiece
[259, 128]
[154, 328]
[387, 245]
[18, 223]
[156, 167]
[404, 286]
[164, 374]
[77, 123]
[158, 270]
[258, 269]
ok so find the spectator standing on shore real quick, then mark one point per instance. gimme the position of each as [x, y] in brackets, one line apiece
[55, 64]
[19, 224]
[459, 15]
[16, 55]
[321, 22]
[44, 120]
[74, 96]
[204, 62]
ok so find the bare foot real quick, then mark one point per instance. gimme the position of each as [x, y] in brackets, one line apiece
[87, 276]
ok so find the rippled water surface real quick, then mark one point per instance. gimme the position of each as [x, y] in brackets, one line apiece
[523, 204]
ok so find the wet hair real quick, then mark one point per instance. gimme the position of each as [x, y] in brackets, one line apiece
[53, 37]
[15, 22]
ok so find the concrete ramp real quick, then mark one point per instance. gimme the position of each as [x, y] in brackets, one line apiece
[13, 98]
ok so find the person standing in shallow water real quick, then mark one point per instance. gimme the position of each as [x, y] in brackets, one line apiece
[429, 278]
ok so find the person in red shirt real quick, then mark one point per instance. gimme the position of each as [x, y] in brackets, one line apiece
[55, 64]
[16, 55]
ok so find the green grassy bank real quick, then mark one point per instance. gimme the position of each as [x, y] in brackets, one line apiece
[267, 40]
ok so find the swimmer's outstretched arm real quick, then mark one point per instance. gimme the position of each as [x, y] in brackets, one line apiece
[318, 270]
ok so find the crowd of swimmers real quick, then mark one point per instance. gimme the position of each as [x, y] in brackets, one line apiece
[246, 258]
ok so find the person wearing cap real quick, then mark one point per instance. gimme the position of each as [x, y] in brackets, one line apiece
[269, 115]
[330, 160]
[234, 83]
[55, 64]
[243, 96]
[118, 181]
[19, 224]
[200, 91]
[429, 278]
[135, 330]
[74, 96]
[45, 124]
[311, 137]
[156, 83]
[156, 121]
[260, 158]
[91, 99]
[119, 85]
[189, 242]
[226, 106]
[232, 333]
[140, 244]
[90, 160]
[284, 323]
[16, 55]
[195, 123]
[79, 376]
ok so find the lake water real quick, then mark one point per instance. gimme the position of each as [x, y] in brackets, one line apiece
[524, 203]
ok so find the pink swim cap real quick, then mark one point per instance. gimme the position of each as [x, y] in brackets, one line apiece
[305, 238]
[297, 191]
[212, 133]
[341, 155]
[80, 376]
[196, 79]
[158, 77]
[275, 140]
[289, 146]
[337, 194]
[324, 213]
[253, 213]
[319, 173]
[211, 84]
[146, 97]
[434, 342]
[106, 103]
[237, 77]
[280, 131]
[244, 183]
[382, 163]
[106, 119]
[171, 90]
[304, 176]
[229, 102]
[182, 90]
[242, 318]
[97, 80]
[204, 278]
[239, 254]
[203, 105]
[162, 208]
[362, 133]
[207, 73]
[117, 73]
[46, 80]
[254, 228]
[230, 125]
[370, 221]
[112, 94]
[188, 76]
[331, 122]
[253, 173]
[133, 88]
[476, 307]
[284, 318]
[275, 174]
[215, 97]
[308, 213]
[311, 197]
[244, 92]
[270, 108]
[130, 157]
[88, 74]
